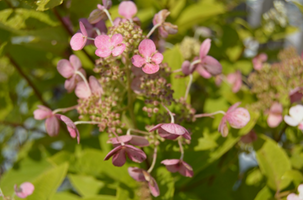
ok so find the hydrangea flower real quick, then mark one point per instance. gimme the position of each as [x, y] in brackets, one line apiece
[52, 125]
[109, 45]
[178, 165]
[294, 196]
[71, 127]
[275, 115]
[119, 154]
[171, 131]
[142, 175]
[259, 60]
[237, 118]
[148, 58]
[131, 139]
[127, 9]
[69, 69]
[83, 92]
[24, 190]
[165, 28]
[236, 80]
[296, 116]
[98, 14]
[78, 40]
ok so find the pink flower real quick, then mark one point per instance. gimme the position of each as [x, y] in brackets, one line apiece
[171, 131]
[24, 190]
[51, 123]
[249, 137]
[83, 92]
[149, 58]
[275, 115]
[294, 196]
[127, 9]
[78, 40]
[98, 14]
[296, 116]
[236, 80]
[71, 127]
[259, 60]
[119, 152]
[142, 175]
[132, 139]
[91, 32]
[69, 70]
[296, 95]
[107, 46]
[237, 118]
[165, 28]
[177, 165]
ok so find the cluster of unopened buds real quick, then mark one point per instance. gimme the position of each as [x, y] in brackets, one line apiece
[24, 190]
[130, 51]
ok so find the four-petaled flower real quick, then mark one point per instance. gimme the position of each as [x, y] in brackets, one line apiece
[293, 196]
[51, 123]
[149, 58]
[177, 165]
[71, 127]
[171, 131]
[165, 28]
[259, 60]
[132, 139]
[83, 92]
[78, 40]
[275, 115]
[107, 46]
[296, 116]
[119, 154]
[142, 175]
[24, 190]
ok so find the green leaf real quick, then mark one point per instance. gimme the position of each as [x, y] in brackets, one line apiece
[265, 194]
[273, 162]
[86, 185]
[48, 4]
[100, 197]
[293, 175]
[165, 182]
[65, 196]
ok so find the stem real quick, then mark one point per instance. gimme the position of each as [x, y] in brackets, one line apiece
[89, 38]
[172, 119]
[122, 143]
[63, 110]
[177, 70]
[154, 160]
[108, 16]
[152, 30]
[86, 122]
[193, 63]
[188, 86]
[181, 148]
[209, 114]
[2, 195]
[129, 96]
[97, 30]
[137, 131]
[84, 79]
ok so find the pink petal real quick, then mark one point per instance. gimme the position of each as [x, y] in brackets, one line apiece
[163, 33]
[155, 127]
[249, 137]
[135, 154]
[174, 129]
[116, 39]
[95, 86]
[293, 196]
[186, 170]
[52, 126]
[150, 68]
[75, 62]
[82, 28]
[167, 135]
[296, 112]
[274, 120]
[42, 112]
[186, 136]
[212, 65]
[71, 127]
[157, 58]
[186, 67]
[65, 68]
[170, 161]
[233, 107]
[263, 57]
[117, 21]
[127, 9]
[123, 138]
[78, 41]
[138, 61]
[113, 151]
[95, 16]
[238, 118]
[103, 42]
[139, 141]
[296, 95]
[172, 168]
[290, 121]
[204, 49]
[70, 84]
[300, 189]
[205, 74]
[223, 129]
[82, 91]
[119, 158]
[147, 47]
[25, 190]
[107, 3]
[153, 187]
[103, 53]
[257, 65]
[118, 50]
[136, 173]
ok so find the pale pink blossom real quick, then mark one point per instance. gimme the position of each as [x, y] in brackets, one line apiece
[83, 92]
[148, 58]
[259, 60]
[294, 196]
[98, 14]
[52, 125]
[127, 9]
[71, 127]
[109, 45]
[296, 116]
[177, 165]
[24, 190]
[236, 117]
[142, 175]
[171, 131]
[275, 115]
[119, 154]
[91, 32]
[165, 28]
[69, 69]
[296, 95]
[78, 40]
[235, 79]
[249, 137]
[130, 139]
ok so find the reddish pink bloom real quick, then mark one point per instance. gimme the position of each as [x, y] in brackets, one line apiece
[177, 165]
[91, 32]
[142, 175]
[127, 9]
[51, 123]
[83, 92]
[296, 95]
[98, 14]
[71, 127]
[119, 152]
[259, 60]
[24, 190]
[237, 118]
[107, 46]
[78, 40]
[275, 115]
[165, 28]
[249, 137]
[236, 80]
[131, 139]
[149, 58]
[171, 131]
[69, 69]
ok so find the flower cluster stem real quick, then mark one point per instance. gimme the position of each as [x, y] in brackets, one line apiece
[188, 86]
[172, 119]
[86, 122]
[63, 110]
[209, 114]
[154, 161]
[152, 30]
[181, 148]
[84, 79]
[108, 16]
